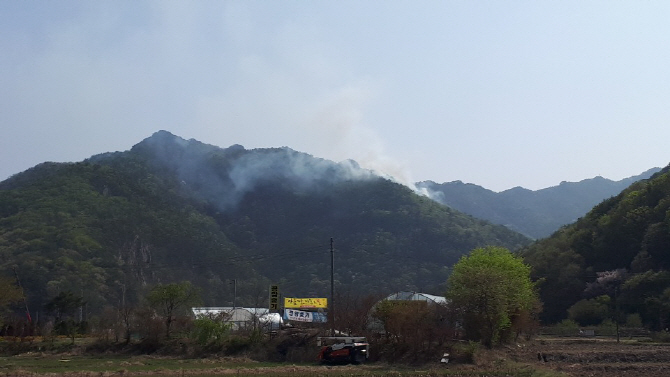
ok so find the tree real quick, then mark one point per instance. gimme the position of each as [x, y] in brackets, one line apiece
[63, 307]
[609, 283]
[644, 293]
[490, 289]
[169, 299]
[11, 294]
[413, 328]
[590, 312]
[353, 310]
[211, 329]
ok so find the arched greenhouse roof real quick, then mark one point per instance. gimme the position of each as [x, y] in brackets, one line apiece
[416, 296]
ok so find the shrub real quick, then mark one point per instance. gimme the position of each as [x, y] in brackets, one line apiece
[464, 353]
[210, 331]
[661, 336]
[606, 328]
[566, 327]
[237, 344]
[590, 312]
[634, 321]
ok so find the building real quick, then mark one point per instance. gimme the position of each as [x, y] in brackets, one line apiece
[243, 318]
[439, 304]
[416, 296]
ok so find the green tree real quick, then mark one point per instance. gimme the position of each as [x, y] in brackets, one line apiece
[63, 307]
[643, 293]
[211, 330]
[490, 289]
[590, 312]
[170, 299]
[11, 294]
[609, 283]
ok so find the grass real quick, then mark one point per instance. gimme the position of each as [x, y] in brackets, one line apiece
[35, 365]
[58, 357]
[62, 363]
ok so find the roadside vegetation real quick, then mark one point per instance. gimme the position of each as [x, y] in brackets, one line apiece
[159, 335]
[494, 337]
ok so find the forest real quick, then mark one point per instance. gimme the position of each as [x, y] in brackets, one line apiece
[105, 231]
[110, 227]
[615, 257]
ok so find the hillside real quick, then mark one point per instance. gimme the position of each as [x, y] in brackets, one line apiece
[629, 231]
[172, 209]
[537, 214]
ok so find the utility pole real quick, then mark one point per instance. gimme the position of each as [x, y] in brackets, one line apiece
[332, 289]
[234, 293]
[81, 307]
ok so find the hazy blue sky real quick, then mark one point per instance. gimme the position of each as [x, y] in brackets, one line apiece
[497, 93]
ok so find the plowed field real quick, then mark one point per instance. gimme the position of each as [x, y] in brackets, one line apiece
[597, 357]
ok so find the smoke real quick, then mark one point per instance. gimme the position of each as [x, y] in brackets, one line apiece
[423, 188]
[340, 120]
[224, 175]
[300, 170]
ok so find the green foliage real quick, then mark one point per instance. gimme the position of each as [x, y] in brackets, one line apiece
[536, 214]
[631, 231]
[173, 299]
[607, 328]
[590, 312]
[661, 336]
[106, 229]
[210, 330]
[491, 287]
[238, 344]
[645, 294]
[11, 294]
[63, 308]
[464, 353]
[566, 327]
[634, 320]
[171, 209]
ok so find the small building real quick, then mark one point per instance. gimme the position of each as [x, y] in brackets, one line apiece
[438, 302]
[243, 318]
[416, 296]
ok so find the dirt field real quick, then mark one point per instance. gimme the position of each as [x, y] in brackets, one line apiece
[541, 357]
[596, 357]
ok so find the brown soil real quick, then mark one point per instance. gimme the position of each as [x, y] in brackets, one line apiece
[596, 357]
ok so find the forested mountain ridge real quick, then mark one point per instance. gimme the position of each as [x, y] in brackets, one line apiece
[171, 209]
[630, 231]
[536, 214]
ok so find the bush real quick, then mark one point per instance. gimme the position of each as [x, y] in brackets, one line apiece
[589, 312]
[566, 327]
[661, 336]
[634, 320]
[606, 328]
[237, 344]
[209, 331]
[464, 353]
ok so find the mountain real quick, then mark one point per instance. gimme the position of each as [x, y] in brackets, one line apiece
[537, 214]
[171, 209]
[630, 231]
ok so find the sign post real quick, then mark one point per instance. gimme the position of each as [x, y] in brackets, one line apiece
[274, 298]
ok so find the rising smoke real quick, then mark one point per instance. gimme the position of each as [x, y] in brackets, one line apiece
[224, 175]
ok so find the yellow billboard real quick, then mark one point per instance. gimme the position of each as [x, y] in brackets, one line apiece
[305, 303]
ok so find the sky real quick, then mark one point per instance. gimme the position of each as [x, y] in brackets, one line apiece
[496, 93]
